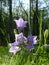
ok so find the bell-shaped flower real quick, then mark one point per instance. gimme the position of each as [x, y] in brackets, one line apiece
[20, 23]
[31, 41]
[20, 38]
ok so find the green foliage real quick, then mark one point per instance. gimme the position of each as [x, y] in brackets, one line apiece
[22, 58]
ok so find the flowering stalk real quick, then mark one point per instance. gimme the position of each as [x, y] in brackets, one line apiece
[40, 33]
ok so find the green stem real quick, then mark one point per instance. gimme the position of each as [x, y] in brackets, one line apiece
[40, 26]
[40, 32]
[44, 41]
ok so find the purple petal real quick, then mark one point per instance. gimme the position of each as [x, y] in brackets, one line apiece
[14, 49]
[20, 38]
[32, 38]
[20, 23]
[14, 44]
[30, 46]
[20, 28]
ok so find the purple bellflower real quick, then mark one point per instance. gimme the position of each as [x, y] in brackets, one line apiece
[31, 41]
[20, 38]
[20, 23]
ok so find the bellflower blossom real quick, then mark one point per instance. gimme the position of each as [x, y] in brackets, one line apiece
[20, 23]
[19, 39]
[31, 41]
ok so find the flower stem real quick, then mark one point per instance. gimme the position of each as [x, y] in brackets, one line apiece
[40, 27]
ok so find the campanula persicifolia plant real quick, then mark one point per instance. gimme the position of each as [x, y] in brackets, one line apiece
[20, 38]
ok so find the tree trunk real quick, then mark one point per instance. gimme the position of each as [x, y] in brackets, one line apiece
[35, 21]
[10, 21]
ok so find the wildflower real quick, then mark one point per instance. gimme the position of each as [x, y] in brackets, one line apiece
[31, 41]
[20, 23]
[14, 49]
[20, 38]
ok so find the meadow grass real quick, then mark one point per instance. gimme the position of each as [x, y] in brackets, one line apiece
[24, 57]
